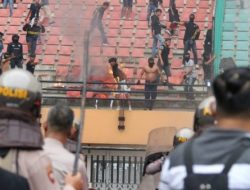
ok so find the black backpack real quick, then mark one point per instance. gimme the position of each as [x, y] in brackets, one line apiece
[209, 181]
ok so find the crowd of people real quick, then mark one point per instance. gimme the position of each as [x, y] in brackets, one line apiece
[212, 155]
[33, 27]
[161, 47]
[209, 156]
[36, 161]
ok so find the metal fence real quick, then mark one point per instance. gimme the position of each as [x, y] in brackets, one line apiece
[169, 96]
[109, 170]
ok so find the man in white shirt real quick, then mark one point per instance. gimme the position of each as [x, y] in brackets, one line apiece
[190, 76]
[60, 120]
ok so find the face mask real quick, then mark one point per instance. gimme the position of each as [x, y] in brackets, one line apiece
[151, 64]
[187, 58]
[115, 66]
[15, 40]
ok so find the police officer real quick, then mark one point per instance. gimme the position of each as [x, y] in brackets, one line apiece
[205, 114]
[219, 158]
[182, 136]
[21, 139]
[15, 50]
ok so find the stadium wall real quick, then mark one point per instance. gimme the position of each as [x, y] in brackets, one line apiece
[101, 126]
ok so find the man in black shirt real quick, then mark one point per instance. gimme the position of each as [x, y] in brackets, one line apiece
[15, 50]
[152, 6]
[207, 67]
[32, 35]
[97, 21]
[208, 42]
[34, 11]
[191, 35]
[156, 31]
[163, 54]
[31, 64]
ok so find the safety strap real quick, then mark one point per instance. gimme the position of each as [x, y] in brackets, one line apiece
[236, 154]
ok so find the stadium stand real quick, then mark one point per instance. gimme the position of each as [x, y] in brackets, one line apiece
[235, 36]
[128, 38]
[60, 52]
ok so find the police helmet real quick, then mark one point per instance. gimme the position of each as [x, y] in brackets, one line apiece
[19, 90]
[183, 135]
[15, 38]
[204, 114]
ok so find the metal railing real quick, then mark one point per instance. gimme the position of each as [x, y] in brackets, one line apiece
[114, 169]
[167, 93]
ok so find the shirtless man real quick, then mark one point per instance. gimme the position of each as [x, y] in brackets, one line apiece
[152, 74]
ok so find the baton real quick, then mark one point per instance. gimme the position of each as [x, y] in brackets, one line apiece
[83, 99]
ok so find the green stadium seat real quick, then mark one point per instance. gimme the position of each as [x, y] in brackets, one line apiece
[242, 36]
[228, 26]
[227, 53]
[242, 63]
[242, 45]
[228, 36]
[228, 45]
[229, 18]
[231, 11]
[242, 55]
[242, 26]
[231, 4]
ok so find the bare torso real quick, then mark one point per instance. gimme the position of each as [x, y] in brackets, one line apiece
[151, 74]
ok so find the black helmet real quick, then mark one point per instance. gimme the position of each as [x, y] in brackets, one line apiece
[20, 91]
[182, 136]
[15, 38]
[204, 114]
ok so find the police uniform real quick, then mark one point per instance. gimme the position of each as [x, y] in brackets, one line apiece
[21, 139]
[15, 49]
[160, 142]
[62, 161]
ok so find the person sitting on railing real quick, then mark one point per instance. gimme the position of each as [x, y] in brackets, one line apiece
[152, 73]
[121, 78]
